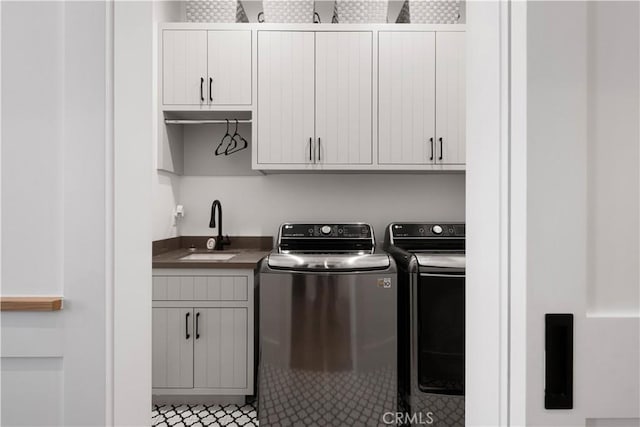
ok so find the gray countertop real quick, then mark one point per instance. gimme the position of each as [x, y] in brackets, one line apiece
[248, 251]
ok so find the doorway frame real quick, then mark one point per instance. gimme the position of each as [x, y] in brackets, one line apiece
[488, 213]
[493, 233]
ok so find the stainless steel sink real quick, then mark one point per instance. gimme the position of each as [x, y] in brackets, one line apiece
[207, 257]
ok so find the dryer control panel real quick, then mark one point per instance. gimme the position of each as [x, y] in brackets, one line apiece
[428, 230]
[331, 230]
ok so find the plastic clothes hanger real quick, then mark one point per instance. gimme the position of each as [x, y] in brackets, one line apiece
[218, 151]
[244, 142]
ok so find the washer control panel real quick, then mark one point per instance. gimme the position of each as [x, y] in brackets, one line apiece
[417, 230]
[330, 230]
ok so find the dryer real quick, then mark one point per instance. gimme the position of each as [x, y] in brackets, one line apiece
[431, 318]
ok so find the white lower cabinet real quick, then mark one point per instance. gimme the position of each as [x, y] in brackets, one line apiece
[220, 356]
[172, 347]
[203, 338]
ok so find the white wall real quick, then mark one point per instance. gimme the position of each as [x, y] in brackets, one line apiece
[257, 205]
[164, 186]
[556, 138]
[54, 211]
[32, 192]
[613, 153]
[486, 322]
[582, 247]
[133, 139]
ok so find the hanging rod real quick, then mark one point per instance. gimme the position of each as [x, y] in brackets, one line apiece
[203, 122]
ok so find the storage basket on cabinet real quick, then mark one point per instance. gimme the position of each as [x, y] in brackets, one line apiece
[215, 11]
[360, 11]
[287, 11]
[431, 12]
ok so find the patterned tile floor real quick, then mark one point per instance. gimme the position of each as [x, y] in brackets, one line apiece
[293, 397]
[204, 415]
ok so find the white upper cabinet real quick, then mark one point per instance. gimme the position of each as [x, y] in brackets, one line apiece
[314, 99]
[344, 75]
[206, 68]
[421, 95]
[450, 98]
[184, 66]
[229, 67]
[285, 97]
[406, 97]
[322, 97]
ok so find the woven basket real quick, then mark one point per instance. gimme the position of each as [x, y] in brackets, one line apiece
[435, 11]
[215, 11]
[288, 11]
[403, 16]
[360, 11]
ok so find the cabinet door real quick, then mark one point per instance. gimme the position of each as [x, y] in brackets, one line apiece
[221, 348]
[344, 97]
[450, 98]
[184, 67]
[229, 67]
[406, 97]
[172, 348]
[285, 97]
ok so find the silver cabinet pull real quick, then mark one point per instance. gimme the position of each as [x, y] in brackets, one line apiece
[319, 150]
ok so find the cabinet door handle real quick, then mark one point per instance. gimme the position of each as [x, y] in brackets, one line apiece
[201, 85]
[197, 325]
[186, 326]
[440, 139]
[319, 150]
[431, 143]
[210, 89]
[310, 147]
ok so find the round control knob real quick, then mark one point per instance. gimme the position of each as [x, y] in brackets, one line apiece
[436, 229]
[326, 230]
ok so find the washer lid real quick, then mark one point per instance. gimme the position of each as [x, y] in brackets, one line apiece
[449, 261]
[328, 262]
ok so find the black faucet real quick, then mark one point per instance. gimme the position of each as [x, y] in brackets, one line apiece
[220, 242]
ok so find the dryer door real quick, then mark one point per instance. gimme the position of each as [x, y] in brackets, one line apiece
[440, 333]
